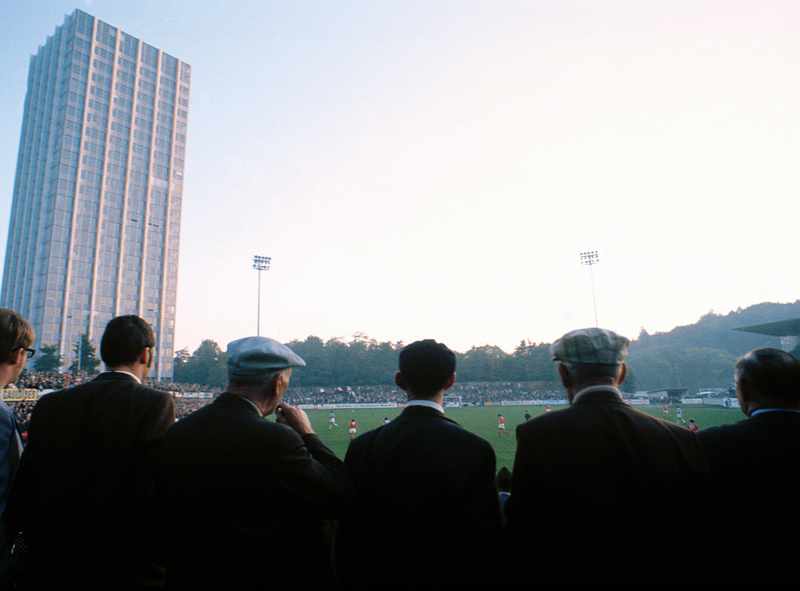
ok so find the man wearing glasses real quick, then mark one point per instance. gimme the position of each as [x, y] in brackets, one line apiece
[83, 497]
[16, 337]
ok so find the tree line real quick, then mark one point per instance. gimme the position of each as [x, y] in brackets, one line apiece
[363, 361]
[696, 357]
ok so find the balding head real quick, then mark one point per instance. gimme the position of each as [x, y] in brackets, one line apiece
[767, 378]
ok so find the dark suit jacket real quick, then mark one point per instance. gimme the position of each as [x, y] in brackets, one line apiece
[10, 451]
[248, 499]
[83, 493]
[427, 508]
[754, 464]
[602, 492]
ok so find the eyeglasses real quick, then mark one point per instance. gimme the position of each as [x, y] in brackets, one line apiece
[30, 352]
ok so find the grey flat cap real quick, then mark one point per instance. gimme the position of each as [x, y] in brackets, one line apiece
[591, 345]
[253, 356]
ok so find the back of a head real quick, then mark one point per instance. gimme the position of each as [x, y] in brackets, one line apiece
[15, 332]
[771, 374]
[426, 366]
[124, 339]
[254, 362]
[591, 353]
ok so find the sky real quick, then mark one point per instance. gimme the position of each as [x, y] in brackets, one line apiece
[434, 169]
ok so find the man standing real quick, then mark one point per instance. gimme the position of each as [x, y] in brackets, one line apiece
[16, 337]
[83, 494]
[754, 465]
[426, 498]
[595, 484]
[250, 497]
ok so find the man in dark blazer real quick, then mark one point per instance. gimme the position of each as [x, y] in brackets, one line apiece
[83, 496]
[250, 498]
[427, 508]
[754, 465]
[16, 337]
[601, 491]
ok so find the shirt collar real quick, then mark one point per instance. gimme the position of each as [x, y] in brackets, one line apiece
[428, 403]
[255, 406]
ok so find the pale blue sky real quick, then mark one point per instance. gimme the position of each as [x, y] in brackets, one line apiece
[435, 169]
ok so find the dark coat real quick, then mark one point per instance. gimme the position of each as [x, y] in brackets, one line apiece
[754, 464]
[427, 508]
[602, 492]
[248, 499]
[83, 493]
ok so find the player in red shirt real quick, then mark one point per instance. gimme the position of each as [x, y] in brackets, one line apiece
[501, 426]
[353, 428]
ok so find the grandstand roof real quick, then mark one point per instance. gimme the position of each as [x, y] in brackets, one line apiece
[779, 328]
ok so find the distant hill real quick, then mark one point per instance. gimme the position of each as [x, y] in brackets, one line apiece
[702, 355]
[717, 330]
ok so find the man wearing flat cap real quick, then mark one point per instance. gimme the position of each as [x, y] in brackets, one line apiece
[596, 486]
[248, 498]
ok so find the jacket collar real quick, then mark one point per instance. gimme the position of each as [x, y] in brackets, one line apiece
[598, 394]
[117, 375]
[238, 401]
[777, 414]
[423, 411]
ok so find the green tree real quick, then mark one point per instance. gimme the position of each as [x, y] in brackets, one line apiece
[48, 359]
[206, 366]
[86, 360]
[179, 365]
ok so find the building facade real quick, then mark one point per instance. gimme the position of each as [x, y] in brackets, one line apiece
[96, 212]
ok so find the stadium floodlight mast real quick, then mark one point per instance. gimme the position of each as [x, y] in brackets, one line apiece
[590, 258]
[260, 264]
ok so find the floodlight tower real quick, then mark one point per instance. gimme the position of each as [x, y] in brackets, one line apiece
[260, 264]
[590, 258]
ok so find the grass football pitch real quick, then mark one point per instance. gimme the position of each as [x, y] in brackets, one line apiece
[483, 421]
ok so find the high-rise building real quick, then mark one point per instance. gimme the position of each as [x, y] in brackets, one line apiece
[95, 219]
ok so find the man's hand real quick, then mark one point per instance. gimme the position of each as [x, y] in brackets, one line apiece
[295, 418]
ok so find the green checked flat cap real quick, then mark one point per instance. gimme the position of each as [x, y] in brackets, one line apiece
[253, 356]
[590, 345]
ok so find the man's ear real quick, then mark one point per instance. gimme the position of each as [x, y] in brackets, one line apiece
[146, 357]
[622, 373]
[450, 382]
[401, 383]
[566, 379]
[745, 396]
[17, 355]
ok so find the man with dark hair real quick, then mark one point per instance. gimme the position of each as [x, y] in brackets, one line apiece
[83, 496]
[124, 339]
[425, 490]
[16, 337]
[754, 465]
[251, 497]
[596, 485]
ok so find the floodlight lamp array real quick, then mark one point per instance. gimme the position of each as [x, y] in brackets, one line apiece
[261, 263]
